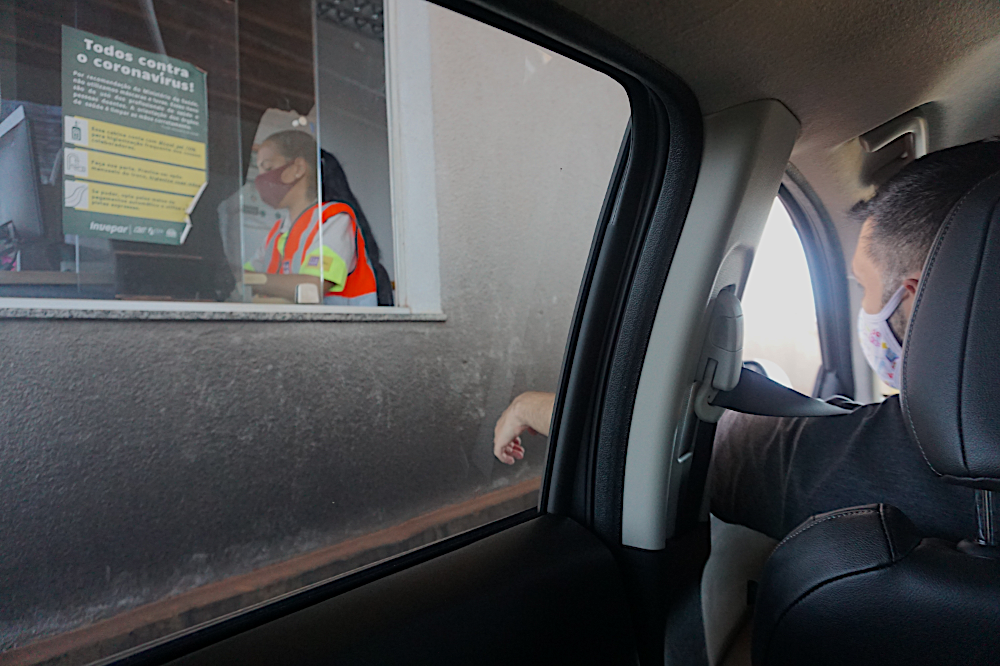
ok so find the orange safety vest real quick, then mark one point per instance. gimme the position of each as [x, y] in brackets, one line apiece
[288, 259]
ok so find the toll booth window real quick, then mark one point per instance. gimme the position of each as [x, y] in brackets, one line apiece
[119, 141]
[428, 184]
[195, 151]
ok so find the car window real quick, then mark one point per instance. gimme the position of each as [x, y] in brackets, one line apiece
[163, 471]
[780, 330]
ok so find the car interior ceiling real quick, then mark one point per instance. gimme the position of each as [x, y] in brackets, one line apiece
[841, 67]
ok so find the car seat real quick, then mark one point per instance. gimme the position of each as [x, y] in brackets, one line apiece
[860, 585]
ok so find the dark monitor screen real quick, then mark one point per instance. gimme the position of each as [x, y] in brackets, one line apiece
[19, 201]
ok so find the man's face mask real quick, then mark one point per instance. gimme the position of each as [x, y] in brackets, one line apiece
[271, 188]
[879, 344]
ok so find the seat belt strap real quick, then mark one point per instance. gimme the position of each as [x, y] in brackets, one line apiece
[756, 394]
[725, 384]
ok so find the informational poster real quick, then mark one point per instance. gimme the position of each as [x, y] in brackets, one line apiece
[136, 131]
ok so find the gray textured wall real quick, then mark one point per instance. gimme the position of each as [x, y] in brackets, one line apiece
[140, 459]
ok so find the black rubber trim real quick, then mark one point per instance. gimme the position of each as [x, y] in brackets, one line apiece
[177, 645]
[827, 270]
[573, 467]
[659, 207]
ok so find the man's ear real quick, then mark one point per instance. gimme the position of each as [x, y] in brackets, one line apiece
[911, 283]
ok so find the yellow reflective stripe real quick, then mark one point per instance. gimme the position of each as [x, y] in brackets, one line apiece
[248, 266]
[281, 243]
[334, 267]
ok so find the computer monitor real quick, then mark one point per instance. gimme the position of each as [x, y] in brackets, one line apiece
[19, 202]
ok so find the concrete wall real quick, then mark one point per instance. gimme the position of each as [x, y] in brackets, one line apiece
[140, 459]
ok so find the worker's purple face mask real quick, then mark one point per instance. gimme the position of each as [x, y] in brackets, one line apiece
[272, 188]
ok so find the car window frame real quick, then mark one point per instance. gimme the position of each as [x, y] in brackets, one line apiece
[640, 222]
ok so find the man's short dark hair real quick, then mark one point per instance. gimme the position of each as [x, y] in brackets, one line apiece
[908, 210]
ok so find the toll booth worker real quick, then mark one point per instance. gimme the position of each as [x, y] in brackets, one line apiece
[323, 239]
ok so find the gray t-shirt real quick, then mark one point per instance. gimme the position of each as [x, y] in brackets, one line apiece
[771, 473]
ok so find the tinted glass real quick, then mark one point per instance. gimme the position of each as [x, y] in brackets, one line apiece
[161, 474]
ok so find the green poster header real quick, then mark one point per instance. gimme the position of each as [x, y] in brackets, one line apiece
[105, 79]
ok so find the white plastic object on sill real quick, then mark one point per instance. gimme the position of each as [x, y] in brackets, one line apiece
[306, 293]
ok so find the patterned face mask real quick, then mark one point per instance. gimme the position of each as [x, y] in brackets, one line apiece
[879, 344]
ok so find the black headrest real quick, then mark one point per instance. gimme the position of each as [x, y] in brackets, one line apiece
[951, 357]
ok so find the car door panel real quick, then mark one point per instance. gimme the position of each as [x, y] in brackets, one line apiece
[544, 590]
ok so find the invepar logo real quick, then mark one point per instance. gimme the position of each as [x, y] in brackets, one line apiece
[110, 228]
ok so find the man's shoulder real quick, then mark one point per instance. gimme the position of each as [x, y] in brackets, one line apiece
[873, 414]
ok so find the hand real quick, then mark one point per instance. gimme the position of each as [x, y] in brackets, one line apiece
[529, 412]
[510, 452]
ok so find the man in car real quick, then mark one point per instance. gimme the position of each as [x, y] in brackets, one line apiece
[771, 473]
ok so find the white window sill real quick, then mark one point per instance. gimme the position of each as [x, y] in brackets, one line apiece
[45, 308]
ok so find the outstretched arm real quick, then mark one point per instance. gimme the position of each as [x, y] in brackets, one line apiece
[531, 411]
